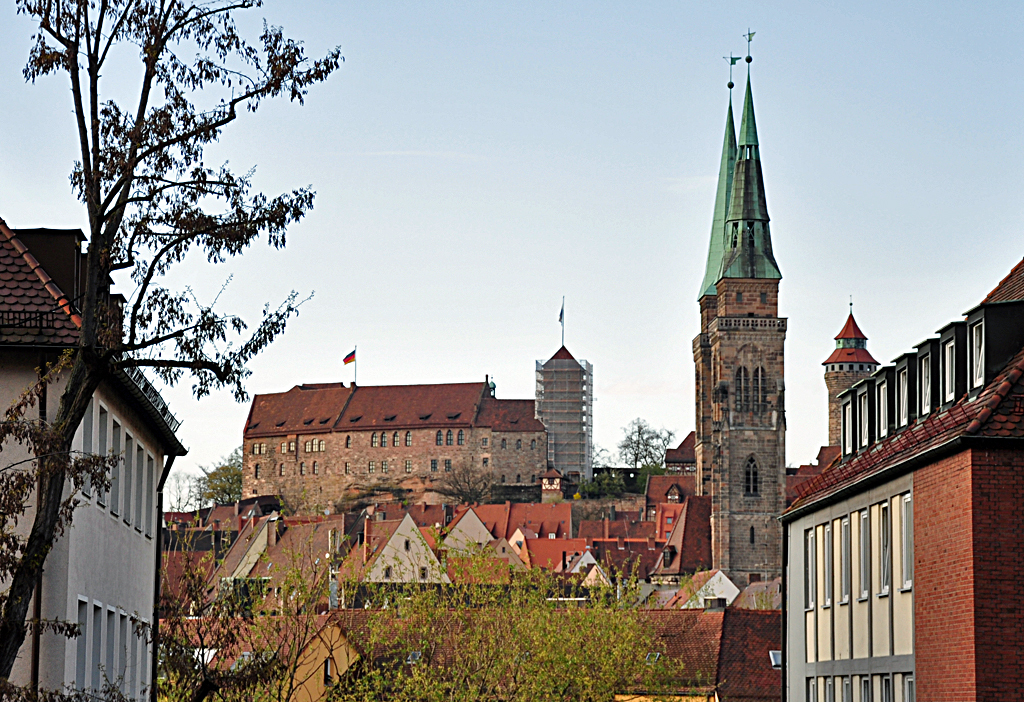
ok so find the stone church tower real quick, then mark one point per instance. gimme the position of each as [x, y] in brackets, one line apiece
[739, 355]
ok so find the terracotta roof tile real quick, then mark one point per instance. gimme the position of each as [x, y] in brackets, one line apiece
[509, 415]
[659, 487]
[595, 529]
[850, 330]
[684, 452]
[690, 540]
[850, 356]
[562, 354]
[744, 669]
[547, 554]
[1010, 288]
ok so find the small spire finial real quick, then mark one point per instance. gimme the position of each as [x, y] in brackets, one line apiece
[851, 305]
[749, 36]
[732, 62]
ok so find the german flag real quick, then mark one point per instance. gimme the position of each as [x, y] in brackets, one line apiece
[351, 358]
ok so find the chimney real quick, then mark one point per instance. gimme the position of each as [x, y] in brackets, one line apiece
[650, 543]
[621, 543]
[236, 508]
[272, 532]
[604, 524]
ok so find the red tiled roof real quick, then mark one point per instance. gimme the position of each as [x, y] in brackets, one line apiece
[766, 594]
[684, 452]
[690, 538]
[850, 330]
[637, 556]
[174, 564]
[658, 487]
[542, 518]
[33, 310]
[744, 668]
[666, 516]
[995, 412]
[1010, 288]
[284, 413]
[547, 553]
[850, 356]
[451, 404]
[551, 473]
[562, 354]
[614, 528]
[509, 415]
[424, 515]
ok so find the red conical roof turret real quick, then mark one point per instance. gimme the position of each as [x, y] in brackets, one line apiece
[851, 330]
[851, 346]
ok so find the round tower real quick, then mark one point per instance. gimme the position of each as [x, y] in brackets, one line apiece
[849, 363]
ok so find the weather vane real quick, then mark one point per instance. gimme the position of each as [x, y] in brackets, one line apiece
[749, 36]
[851, 304]
[732, 62]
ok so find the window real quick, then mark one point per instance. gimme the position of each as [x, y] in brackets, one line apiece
[533, 444]
[370, 467]
[829, 564]
[865, 553]
[395, 439]
[830, 693]
[483, 441]
[902, 401]
[925, 384]
[328, 680]
[883, 550]
[886, 689]
[948, 371]
[322, 446]
[408, 466]
[862, 409]
[978, 355]
[533, 478]
[907, 542]
[305, 447]
[519, 444]
[284, 447]
[504, 444]
[810, 569]
[751, 479]
[503, 479]
[760, 390]
[115, 472]
[302, 469]
[383, 439]
[909, 694]
[348, 442]
[291, 447]
[844, 564]
[764, 298]
[882, 409]
[439, 439]
[256, 472]
[433, 465]
[408, 438]
[519, 478]
[847, 421]
[448, 438]
[462, 438]
[742, 401]
[423, 572]
[408, 544]
[751, 532]
[348, 468]
[281, 469]
[812, 690]
[847, 690]
[447, 465]
[383, 466]
[487, 462]
[865, 689]
[387, 572]
[316, 468]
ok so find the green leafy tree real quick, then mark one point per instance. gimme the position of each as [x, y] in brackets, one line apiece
[151, 197]
[222, 482]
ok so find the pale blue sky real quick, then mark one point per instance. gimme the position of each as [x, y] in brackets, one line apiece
[475, 162]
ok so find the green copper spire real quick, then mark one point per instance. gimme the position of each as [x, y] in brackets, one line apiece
[748, 242]
[716, 250]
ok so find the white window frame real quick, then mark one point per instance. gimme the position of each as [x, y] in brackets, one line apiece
[862, 408]
[884, 548]
[949, 371]
[882, 409]
[865, 688]
[886, 688]
[812, 690]
[848, 427]
[909, 691]
[845, 577]
[865, 554]
[830, 690]
[902, 398]
[924, 382]
[847, 689]
[810, 570]
[977, 341]
[907, 529]
[829, 565]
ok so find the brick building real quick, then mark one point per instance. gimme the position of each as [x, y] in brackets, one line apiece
[739, 357]
[316, 444]
[904, 564]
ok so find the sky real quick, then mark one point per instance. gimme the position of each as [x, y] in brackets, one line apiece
[476, 162]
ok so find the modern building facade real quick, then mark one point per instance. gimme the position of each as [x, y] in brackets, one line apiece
[565, 404]
[740, 370]
[903, 566]
[102, 573]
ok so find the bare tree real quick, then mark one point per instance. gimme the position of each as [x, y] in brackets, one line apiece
[466, 484]
[644, 446]
[151, 197]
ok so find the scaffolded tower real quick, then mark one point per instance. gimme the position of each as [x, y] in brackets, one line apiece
[565, 404]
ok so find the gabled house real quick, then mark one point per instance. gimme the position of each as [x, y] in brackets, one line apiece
[545, 520]
[673, 488]
[688, 548]
[551, 554]
[394, 551]
[705, 589]
[682, 458]
[103, 572]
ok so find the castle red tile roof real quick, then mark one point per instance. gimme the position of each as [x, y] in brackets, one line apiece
[850, 330]
[541, 518]
[683, 453]
[850, 356]
[1009, 288]
[509, 415]
[562, 354]
[33, 310]
[306, 409]
[997, 411]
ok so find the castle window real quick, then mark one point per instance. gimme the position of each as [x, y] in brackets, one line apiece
[760, 390]
[462, 438]
[433, 465]
[764, 298]
[504, 444]
[751, 479]
[316, 468]
[284, 447]
[370, 467]
[751, 536]
[519, 478]
[408, 466]
[373, 439]
[742, 390]
[533, 478]
[449, 438]
[447, 465]
[519, 444]
[348, 442]
[384, 439]
[281, 469]
[302, 469]
[383, 466]
[347, 468]
[533, 444]
[305, 447]
[503, 479]
[408, 438]
[395, 439]
[487, 462]
[483, 441]
[291, 447]
[256, 472]
[439, 438]
[739, 297]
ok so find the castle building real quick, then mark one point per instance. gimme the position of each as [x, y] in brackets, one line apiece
[739, 358]
[849, 364]
[317, 444]
[565, 404]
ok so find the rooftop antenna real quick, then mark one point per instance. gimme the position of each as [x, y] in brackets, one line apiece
[732, 62]
[749, 36]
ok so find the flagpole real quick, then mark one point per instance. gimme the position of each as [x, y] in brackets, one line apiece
[562, 320]
[355, 371]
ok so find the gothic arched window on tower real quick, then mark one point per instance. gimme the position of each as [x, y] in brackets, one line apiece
[751, 480]
[751, 536]
[760, 390]
[742, 390]
[735, 233]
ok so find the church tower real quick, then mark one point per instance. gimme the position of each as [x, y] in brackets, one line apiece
[849, 363]
[739, 357]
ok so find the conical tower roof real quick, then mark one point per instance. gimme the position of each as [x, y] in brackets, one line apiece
[850, 330]
[851, 346]
[748, 243]
[716, 249]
